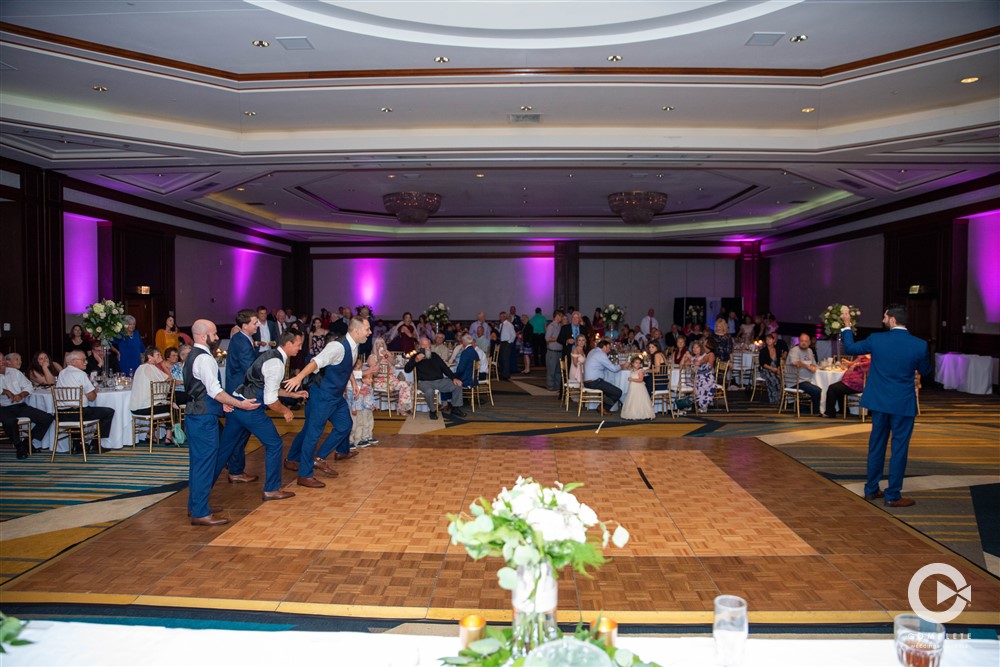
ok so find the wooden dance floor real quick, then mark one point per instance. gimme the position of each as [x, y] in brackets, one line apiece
[707, 516]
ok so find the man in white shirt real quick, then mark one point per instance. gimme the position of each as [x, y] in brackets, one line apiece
[801, 356]
[14, 388]
[648, 323]
[262, 382]
[73, 375]
[593, 373]
[507, 337]
[206, 403]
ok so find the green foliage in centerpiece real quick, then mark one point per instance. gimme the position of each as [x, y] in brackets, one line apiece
[832, 324]
[104, 320]
[437, 313]
[613, 316]
[10, 628]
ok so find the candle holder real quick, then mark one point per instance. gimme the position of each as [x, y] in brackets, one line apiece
[606, 630]
[472, 628]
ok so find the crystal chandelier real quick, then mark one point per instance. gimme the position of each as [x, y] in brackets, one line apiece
[637, 207]
[411, 207]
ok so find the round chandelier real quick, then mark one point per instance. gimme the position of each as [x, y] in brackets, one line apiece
[411, 207]
[638, 206]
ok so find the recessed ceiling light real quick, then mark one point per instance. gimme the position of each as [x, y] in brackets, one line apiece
[668, 108]
[614, 59]
[798, 39]
[808, 109]
[241, 189]
[261, 43]
[249, 113]
[970, 79]
[480, 175]
[441, 59]
[99, 89]
[527, 107]
[386, 109]
[391, 176]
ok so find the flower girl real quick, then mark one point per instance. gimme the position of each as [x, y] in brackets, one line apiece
[637, 402]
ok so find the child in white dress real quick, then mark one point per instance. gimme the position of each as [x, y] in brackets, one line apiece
[637, 403]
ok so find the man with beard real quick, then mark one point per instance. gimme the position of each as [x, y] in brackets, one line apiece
[206, 403]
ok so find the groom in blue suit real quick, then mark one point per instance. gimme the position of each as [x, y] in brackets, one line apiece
[891, 398]
[240, 356]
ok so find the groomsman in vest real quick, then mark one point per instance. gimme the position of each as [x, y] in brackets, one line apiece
[331, 370]
[263, 383]
[206, 403]
[240, 356]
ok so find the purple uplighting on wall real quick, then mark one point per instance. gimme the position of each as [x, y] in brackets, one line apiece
[368, 282]
[540, 289]
[244, 262]
[984, 275]
[80, 262]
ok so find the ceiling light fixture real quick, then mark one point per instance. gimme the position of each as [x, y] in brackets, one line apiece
[386, 109]
[412, 207]
[249, 113]
[798, 39]
[970, 79]
[480, 175]
[808, 109]
[100, 89]
[261, 43]
[527, 107]
[638, 206]
[442, 59]
[391, 176]
[668, 108]
[614, 59]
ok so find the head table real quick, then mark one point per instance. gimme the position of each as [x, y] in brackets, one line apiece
[121, 426]
[61, 643]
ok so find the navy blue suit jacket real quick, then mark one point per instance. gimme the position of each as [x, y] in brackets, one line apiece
[468, 357]
[896, 354]
[239, 357]
[272, 327]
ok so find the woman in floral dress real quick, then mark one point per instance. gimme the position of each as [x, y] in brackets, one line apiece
[380, 356]
[703, 361]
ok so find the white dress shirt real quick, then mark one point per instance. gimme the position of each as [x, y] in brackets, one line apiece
[206, 369]
[142, 396]
[507, 332]
[647, 324]
[273, 371]
[71, 376]
[13, 381]
[333, 354]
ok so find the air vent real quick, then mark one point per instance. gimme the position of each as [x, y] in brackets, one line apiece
[295, 43]
[765, 38]
[256, 203]
[797, 201]
[524, 118]
[205, 186]
[851, 184]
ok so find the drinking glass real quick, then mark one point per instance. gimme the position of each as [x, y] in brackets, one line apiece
[730, 630]
[919, 642]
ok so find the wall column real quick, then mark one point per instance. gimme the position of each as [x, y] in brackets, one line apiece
[567, 274]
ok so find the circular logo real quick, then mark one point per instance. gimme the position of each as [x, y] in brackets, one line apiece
[959, 590]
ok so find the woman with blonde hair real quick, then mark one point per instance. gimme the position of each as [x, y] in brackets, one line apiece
[723, 341]
[387, 381]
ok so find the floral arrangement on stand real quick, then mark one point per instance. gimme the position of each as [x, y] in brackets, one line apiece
[695, 314]
[437, 314]
[613, 317]
[538, 531]
[104, 320]
[832, 324]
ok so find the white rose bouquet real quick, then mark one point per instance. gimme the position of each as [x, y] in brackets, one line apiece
[104, 320]
[696, 314]
[832, 324]
[437, 313]
[613, 316]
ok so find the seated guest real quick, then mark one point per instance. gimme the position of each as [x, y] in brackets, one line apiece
[13, 360]
[577, 357]
[593, 373]
[170, 357]
[466, 361]
[852, 382]
[670, 339]
[770, 368]
[681, 353]
[380, 329]
[43, 371]
[723, 341]
[177, 373]
[74, 376]
[76, 340]
[439, 348]
[96, 363]
[14, 388]
[168, 336]
[142, 398]
[747, 330]
[802, 357]
[380, 361]
[432, 373]
[658, 363]
[130, 346]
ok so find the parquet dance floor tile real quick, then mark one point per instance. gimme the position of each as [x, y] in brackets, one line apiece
[707, 516]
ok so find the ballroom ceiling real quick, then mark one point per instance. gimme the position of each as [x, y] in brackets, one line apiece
[756, 119]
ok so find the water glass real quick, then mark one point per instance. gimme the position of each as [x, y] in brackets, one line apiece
[730, 630]
[919, 643]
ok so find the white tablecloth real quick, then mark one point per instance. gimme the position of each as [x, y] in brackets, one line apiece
[824, 379]
[968, 373]
[81, 644]
[121, 426]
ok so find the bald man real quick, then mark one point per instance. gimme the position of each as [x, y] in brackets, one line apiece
[206, 403]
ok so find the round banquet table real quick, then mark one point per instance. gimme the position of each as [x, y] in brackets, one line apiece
[121, 426]
[823, 379]
[968, 373]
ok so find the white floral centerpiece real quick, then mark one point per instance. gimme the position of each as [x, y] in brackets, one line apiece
[695, 314]
[437, 313]
[104, 320]
[538, 531]
[613, 318]
[832, 324]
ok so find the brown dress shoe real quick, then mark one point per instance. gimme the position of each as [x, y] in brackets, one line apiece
[337, 456]
[291, 465]
[210, 520]
[213, 510]
[874, 496]
[310, 482]
[902, 502]
[276, 495]
[323, 467]
[242, 478]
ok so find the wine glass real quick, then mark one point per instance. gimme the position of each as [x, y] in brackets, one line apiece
[919, 643]
[730, 630]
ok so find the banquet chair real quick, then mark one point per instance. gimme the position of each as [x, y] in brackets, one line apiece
[471, 391]
[589, 395]
[494, 363]
[386, 396]
[178, 410]
[68, 405]
[568, 386]
[23, 432]
[854, 401]
[790, 392]
[418, 396]
[681, 387]
[758, 379]
[484, 386]
[916, 389]
[721, 382]
[661, 388]
[161, 393]
[740, 373]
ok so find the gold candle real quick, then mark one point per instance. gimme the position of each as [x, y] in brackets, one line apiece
[472, 628]
[607, 631]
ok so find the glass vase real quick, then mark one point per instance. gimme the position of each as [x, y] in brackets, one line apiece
[534, 599]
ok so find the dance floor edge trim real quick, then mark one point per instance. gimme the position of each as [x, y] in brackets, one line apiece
[565, 616]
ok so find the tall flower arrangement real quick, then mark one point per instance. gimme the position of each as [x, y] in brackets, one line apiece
[437, 313]
[832, 324]
[613, 316]
[695, 314]
[104, 320]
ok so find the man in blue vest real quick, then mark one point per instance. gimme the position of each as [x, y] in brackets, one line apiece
[240, 356]
[263, 382]
[890, 396]
[331, 370]
[206, 403]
